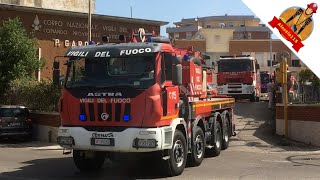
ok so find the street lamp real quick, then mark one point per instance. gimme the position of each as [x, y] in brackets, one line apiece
[270, 33]
[89, 22]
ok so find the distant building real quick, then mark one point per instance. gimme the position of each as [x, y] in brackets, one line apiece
[187, 28]
[57, 30]
[66, 5]
[231, 35]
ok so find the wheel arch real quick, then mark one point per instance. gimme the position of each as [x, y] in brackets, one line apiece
[181, 125]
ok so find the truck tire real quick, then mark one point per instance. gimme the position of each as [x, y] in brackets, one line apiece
[178, 155]
[217, 141]
[88, 164]
[226, 137]
[253, 97]
[198, 147]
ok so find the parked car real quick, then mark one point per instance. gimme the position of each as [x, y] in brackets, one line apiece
[15, 122]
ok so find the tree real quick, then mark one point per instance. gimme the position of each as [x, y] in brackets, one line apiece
[18, 57]
[307, 75]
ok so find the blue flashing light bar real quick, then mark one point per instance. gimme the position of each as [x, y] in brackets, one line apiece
[149, 39]
[186, 57]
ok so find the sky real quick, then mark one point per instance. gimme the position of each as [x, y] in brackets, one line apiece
[171, 10]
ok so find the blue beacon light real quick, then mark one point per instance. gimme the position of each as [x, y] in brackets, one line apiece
[186, 57]
[126, 118]
[82, 117]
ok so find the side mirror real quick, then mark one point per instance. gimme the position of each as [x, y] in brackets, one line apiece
[56, 73]
[177, 75]
[177, 59]
[258, 66]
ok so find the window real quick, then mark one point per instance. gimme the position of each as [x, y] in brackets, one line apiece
[189, 35]
[230, 24]
[296, 63]
[273, 63]
[176, 35]
[166, 67]
[208, 26]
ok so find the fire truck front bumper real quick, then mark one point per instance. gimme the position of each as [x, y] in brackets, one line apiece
[129, 140]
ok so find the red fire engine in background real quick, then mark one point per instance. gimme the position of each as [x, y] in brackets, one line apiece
[141, 97]
[265, 79]
[239, 76]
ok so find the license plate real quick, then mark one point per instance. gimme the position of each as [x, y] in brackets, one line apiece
[147, 143]
[15, 124]
[233, 89]
[102, 141]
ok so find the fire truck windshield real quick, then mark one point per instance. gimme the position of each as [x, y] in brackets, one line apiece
[238, 65]
[135, 71]
[264, 78]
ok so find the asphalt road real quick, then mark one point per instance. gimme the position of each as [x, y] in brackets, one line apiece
[253, 154]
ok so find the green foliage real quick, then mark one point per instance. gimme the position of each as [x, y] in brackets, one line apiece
[18, 57]
[40, 96]
[307, 75]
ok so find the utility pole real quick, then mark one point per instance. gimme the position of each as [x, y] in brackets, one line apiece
[131, 11]
[89, 22]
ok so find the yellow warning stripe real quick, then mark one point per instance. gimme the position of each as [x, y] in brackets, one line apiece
[213, 103]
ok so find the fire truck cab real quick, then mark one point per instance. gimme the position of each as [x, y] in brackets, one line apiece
[141, 97]
[239, 77]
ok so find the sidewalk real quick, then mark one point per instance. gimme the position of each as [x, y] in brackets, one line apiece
[257, 137]
[36, 145]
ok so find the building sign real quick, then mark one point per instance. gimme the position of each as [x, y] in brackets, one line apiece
[71, 29]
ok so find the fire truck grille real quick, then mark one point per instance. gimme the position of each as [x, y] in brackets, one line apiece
[105, 111]
[234, 80]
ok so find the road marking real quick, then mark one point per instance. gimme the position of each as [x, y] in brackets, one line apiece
[276, 161]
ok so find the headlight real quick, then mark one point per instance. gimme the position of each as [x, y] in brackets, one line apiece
[144, 143]
[65, 140]
[249, 88]
[63, 131]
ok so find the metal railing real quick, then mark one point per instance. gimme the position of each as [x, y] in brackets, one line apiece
[305, 94]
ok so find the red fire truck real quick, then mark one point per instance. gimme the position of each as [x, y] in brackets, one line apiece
[141, 97]
[265, 78]
[239, 76]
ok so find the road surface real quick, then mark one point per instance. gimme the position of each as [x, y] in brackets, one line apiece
[253, 154]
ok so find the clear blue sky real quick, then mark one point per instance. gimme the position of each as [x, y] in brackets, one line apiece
[171, 10]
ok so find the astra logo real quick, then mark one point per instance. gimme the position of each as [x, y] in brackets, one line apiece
[105, 94]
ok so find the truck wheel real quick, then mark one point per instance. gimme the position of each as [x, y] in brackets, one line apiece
[198, 147]
[88, 161]
[217, 141]
[253, 97]
[178, 155]
[226, 139]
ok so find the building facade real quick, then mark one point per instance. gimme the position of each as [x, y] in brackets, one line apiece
[232, 35]
[261, 50]
[187, 28]
[66, 5]
[56, 30]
